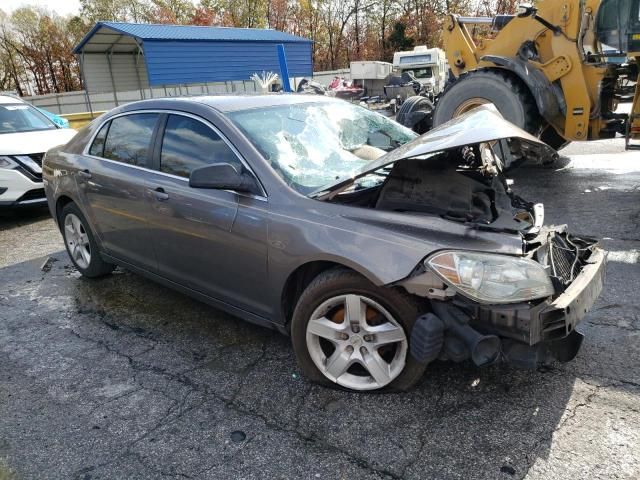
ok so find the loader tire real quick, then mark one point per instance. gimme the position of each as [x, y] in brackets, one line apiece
[508, 93]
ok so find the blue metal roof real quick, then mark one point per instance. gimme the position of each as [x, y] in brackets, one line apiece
[177, 54]
[148, 31]
[173, 63]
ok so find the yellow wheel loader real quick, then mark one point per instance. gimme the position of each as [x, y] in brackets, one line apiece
[556, 69]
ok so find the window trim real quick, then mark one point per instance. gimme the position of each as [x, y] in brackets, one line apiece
[106, 124]
[156, 145]
[154, 133]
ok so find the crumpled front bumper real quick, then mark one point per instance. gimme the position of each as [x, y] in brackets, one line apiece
[551, 319]
[523, 334]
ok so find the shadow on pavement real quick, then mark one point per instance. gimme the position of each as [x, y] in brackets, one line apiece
[125, 378]
[17, 217]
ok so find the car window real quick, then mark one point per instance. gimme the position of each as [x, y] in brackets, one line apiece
[21, 117]
[188, 144]
[97, 147]
[129, 138]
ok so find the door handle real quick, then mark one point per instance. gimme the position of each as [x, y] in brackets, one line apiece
[160, 194]
[86, 174]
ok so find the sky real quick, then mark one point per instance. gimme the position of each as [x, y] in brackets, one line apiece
[62, 7]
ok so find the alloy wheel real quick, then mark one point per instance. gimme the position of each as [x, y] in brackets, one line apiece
[77, 240]
[356, 342]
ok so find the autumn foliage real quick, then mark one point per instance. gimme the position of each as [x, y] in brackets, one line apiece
[36, 44]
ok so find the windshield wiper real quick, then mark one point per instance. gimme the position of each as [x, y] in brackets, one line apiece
[324, 192]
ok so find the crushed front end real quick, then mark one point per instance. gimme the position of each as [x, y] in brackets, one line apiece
[521, 306]
[461, 323]
[576, 266]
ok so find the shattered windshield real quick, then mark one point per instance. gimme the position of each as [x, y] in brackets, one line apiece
[312, 144]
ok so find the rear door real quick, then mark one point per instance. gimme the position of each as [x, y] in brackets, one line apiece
[113, 182]
[213, 241]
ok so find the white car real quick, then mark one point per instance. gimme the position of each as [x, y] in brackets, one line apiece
[25, 135]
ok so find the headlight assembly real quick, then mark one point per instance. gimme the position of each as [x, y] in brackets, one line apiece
[7, 162]
[490, 278]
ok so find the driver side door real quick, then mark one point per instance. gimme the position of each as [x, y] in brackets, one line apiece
[199, 235]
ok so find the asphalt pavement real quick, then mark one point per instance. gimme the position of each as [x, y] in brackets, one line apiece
[121, 378]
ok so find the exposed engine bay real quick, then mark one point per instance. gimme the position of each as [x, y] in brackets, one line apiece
[464, 185]
[467, 185]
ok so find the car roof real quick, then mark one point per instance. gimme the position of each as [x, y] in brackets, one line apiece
[4, 98]
[230, 103]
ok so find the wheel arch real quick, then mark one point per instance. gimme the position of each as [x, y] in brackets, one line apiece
[303, 275]
[65, 199]
[61, 202]
[549, 99]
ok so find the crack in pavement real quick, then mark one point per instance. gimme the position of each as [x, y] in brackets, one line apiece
[569, 414]
[421, 439]
[232, 404]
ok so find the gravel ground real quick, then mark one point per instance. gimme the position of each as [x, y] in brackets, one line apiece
[121, 378]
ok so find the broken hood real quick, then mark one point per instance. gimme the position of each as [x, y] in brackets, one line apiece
[480, 125]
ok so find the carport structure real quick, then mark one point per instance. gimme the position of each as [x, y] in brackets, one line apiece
[130, 57]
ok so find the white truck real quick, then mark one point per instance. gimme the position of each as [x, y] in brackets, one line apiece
[428, 65]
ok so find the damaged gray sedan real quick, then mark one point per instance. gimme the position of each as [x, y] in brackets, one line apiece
[378, 251]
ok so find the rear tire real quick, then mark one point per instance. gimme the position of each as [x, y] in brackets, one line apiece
[81, 244]
[324, 307]
[507, 92]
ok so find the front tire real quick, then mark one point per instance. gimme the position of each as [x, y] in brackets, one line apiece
[349, 333]
[81, 244]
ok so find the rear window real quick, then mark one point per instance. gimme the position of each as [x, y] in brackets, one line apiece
[128, 139]
[97, 147]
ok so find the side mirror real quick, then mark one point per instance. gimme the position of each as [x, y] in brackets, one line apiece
[221, 176]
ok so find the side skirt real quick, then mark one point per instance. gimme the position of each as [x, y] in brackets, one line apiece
[235, 311]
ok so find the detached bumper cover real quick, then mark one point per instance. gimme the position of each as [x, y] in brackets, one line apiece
[551, 319]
